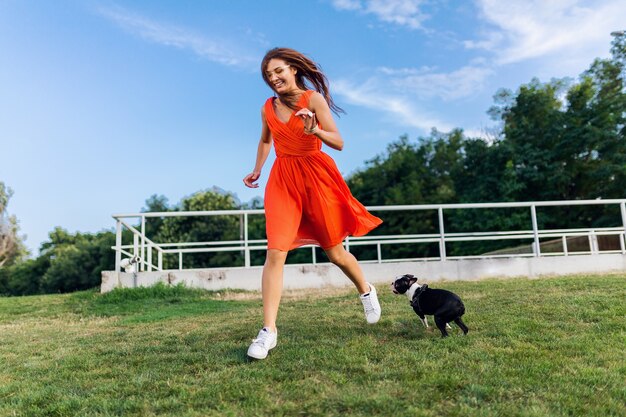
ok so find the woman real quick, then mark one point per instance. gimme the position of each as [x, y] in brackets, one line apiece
[306, 199]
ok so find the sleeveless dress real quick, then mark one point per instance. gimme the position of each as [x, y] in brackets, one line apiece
[307, 200]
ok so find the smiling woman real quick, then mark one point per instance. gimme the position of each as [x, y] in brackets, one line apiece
[306, 199]
[302, 68]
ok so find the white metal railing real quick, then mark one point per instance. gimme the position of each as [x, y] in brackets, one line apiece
[142, 249]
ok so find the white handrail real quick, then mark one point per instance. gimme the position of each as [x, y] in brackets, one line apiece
[142, 247]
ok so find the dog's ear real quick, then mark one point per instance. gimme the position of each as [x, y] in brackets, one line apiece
[410, 277]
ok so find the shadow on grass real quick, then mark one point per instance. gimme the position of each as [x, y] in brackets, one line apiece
[414, 329]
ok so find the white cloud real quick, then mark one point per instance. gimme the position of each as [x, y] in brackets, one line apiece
[403, 110]
[568, 32]
[347, 4]
[400, 12]
[490, 41]
[454, 85]
[216, 50]
[405, 71]
[404, 93]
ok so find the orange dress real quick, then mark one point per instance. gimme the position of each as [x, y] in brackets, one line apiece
[307, 200]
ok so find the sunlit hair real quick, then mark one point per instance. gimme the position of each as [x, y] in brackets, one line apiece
[308, 76]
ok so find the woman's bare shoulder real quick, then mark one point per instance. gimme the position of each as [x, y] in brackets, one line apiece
[316, 100]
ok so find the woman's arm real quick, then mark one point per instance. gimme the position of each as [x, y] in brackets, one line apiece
[265, 144]
[329, 135]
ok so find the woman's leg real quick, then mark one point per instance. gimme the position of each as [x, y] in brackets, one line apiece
[272, 286]
[349, 265]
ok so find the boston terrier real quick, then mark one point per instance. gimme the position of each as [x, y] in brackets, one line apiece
[446, 306]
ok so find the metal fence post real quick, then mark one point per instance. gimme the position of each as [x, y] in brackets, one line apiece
[442, 238]
[135, 245]
[159, 260]
[593, 242]
[118, 247]
[246, 251]
[536, 246]
[565, 251]
[149, 257]
[180, 261]
[622, 207]
[142, 264]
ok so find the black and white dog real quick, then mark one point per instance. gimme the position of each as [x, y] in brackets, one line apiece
[446, 306]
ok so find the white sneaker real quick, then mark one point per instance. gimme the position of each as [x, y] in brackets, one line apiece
[261, 346]
[371, 305]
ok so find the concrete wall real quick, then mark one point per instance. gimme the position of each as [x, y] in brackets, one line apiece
[315, 276]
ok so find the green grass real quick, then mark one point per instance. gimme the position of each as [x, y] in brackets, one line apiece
[545, 347]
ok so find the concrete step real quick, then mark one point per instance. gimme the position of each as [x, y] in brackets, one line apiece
[323, 275]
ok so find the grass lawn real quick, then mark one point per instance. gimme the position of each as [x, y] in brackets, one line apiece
[544, 347]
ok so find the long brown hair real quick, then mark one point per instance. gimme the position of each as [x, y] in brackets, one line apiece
[307, 70]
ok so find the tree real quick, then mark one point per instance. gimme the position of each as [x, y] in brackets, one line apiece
[155, 204]
[533, 130]
[67, 262]
[569, 141]
[12, 248]
[78, 265]
[410, 173]
[202, 229]
[23, 278]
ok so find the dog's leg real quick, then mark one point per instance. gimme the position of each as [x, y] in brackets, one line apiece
[424, 321]
[441, 325]
[462, 325]
[448, 326]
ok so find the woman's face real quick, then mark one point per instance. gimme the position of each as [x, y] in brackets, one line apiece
[282, 77]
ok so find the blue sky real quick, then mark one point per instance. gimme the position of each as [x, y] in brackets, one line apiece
[103, 104]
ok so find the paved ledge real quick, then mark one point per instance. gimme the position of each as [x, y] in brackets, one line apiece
[324, 275]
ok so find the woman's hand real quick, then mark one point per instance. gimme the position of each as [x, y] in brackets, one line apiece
[250, 179]
[318, 110]
[309, 120]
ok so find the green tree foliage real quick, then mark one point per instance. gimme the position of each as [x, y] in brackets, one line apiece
[67, 262]
[155, 204]
[23, 278]
[533, 131]
[12, 248]
[197, 228]
[76, 261]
